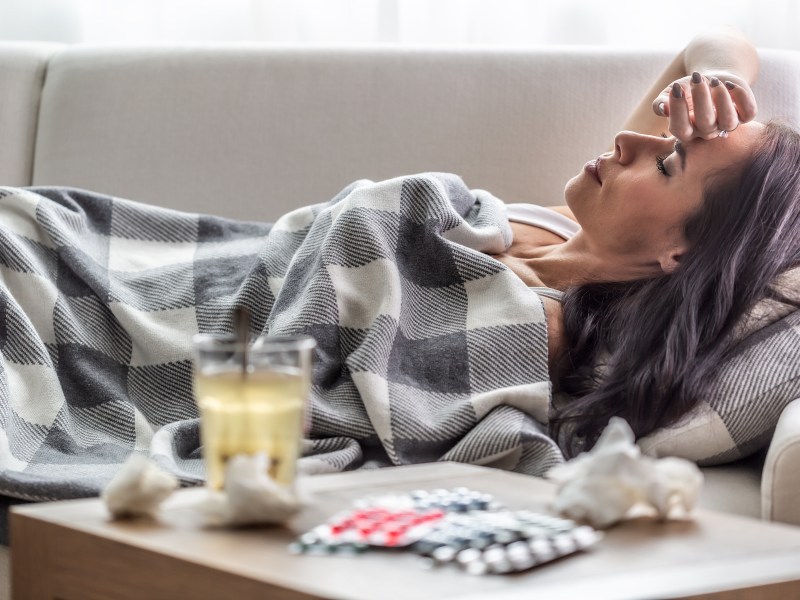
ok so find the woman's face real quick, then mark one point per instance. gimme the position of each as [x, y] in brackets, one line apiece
[632, 203]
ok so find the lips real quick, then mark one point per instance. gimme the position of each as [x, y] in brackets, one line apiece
[593, 168]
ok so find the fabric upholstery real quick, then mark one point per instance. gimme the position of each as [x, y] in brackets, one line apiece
[207, 124]
[22, 72]
[780, 484]
[733, 487]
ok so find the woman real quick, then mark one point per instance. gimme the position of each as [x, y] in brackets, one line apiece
[669, 240]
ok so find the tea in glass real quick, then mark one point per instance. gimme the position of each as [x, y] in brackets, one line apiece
[252, 400]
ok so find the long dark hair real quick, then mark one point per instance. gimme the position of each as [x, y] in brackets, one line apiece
[646, 350]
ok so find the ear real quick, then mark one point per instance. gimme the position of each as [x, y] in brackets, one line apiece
[670, 259]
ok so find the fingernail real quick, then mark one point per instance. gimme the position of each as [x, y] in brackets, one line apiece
[696, 78]
[714, 82]
[661, 108]
[730, 85]
[677, 91]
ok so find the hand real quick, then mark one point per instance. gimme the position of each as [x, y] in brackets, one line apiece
[706, 106]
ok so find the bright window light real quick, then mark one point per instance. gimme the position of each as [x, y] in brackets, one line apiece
[507, 23]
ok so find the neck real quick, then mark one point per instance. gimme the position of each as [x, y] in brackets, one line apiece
[576, 262]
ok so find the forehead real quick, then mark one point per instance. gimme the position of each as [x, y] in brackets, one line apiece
[718, 151]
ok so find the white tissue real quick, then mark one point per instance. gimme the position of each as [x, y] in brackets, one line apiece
[605, 485]
[138, 488]
[250, 497]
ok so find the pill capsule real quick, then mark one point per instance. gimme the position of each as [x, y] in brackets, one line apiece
[468, 555]
[542, 549]
[444, 554]
[522, 562]
[499, 565]
[476, 567]
[564, 544]
[585, 536]
[493, 554]
[518, 548]
[309, 538]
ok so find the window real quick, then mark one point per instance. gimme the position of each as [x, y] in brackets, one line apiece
[516, 23]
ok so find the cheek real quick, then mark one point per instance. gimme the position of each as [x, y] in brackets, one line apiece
[634, 217]
[654, 221]
[643, 202]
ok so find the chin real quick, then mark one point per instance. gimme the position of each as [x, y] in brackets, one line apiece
[572, 192]
[577, 199]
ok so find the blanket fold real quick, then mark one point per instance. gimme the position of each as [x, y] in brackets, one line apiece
[428, 349]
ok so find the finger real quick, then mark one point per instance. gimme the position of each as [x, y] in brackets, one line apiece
[705, 117]
[745, 101]
[661, 104]
[727, 119]
[679, 123]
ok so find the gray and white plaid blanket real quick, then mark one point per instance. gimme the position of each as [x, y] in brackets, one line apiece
[428, 349]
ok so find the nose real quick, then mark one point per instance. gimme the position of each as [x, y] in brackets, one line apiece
[627, 144]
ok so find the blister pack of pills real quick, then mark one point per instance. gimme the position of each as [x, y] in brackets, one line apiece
[462, 527]
[502, 541]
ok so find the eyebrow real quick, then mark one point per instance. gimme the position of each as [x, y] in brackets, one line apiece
[680, 150]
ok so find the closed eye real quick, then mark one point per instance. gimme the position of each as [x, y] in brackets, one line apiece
[660, 165]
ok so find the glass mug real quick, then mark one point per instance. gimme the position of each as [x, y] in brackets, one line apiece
[252, 399]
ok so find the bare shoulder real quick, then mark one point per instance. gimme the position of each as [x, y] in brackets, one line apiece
[564, 210]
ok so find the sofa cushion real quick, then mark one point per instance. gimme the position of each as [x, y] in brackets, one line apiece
[734, 487]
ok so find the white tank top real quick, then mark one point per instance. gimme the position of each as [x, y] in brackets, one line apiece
[548, 219]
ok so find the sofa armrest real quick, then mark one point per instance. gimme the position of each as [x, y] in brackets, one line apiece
[780, 482]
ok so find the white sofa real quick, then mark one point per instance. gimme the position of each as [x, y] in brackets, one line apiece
[252, 131]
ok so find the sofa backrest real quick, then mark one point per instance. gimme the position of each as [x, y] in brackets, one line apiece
[22, 72]
[252, 131]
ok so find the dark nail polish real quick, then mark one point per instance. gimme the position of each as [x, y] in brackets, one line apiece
[677, 90]
[696, 77]
[714, 82]
[730, 85]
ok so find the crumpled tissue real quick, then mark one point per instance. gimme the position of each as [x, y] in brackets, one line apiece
[138, 488]
[250, 497]
[614, 481]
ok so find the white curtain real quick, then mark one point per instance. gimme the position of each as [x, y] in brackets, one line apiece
[508, 23]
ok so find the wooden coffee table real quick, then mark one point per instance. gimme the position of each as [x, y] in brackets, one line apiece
[71, 550]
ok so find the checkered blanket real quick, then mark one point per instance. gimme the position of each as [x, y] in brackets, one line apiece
[428, 349]
[761, 376]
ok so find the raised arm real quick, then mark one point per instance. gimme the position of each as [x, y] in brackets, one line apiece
[723, 56]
